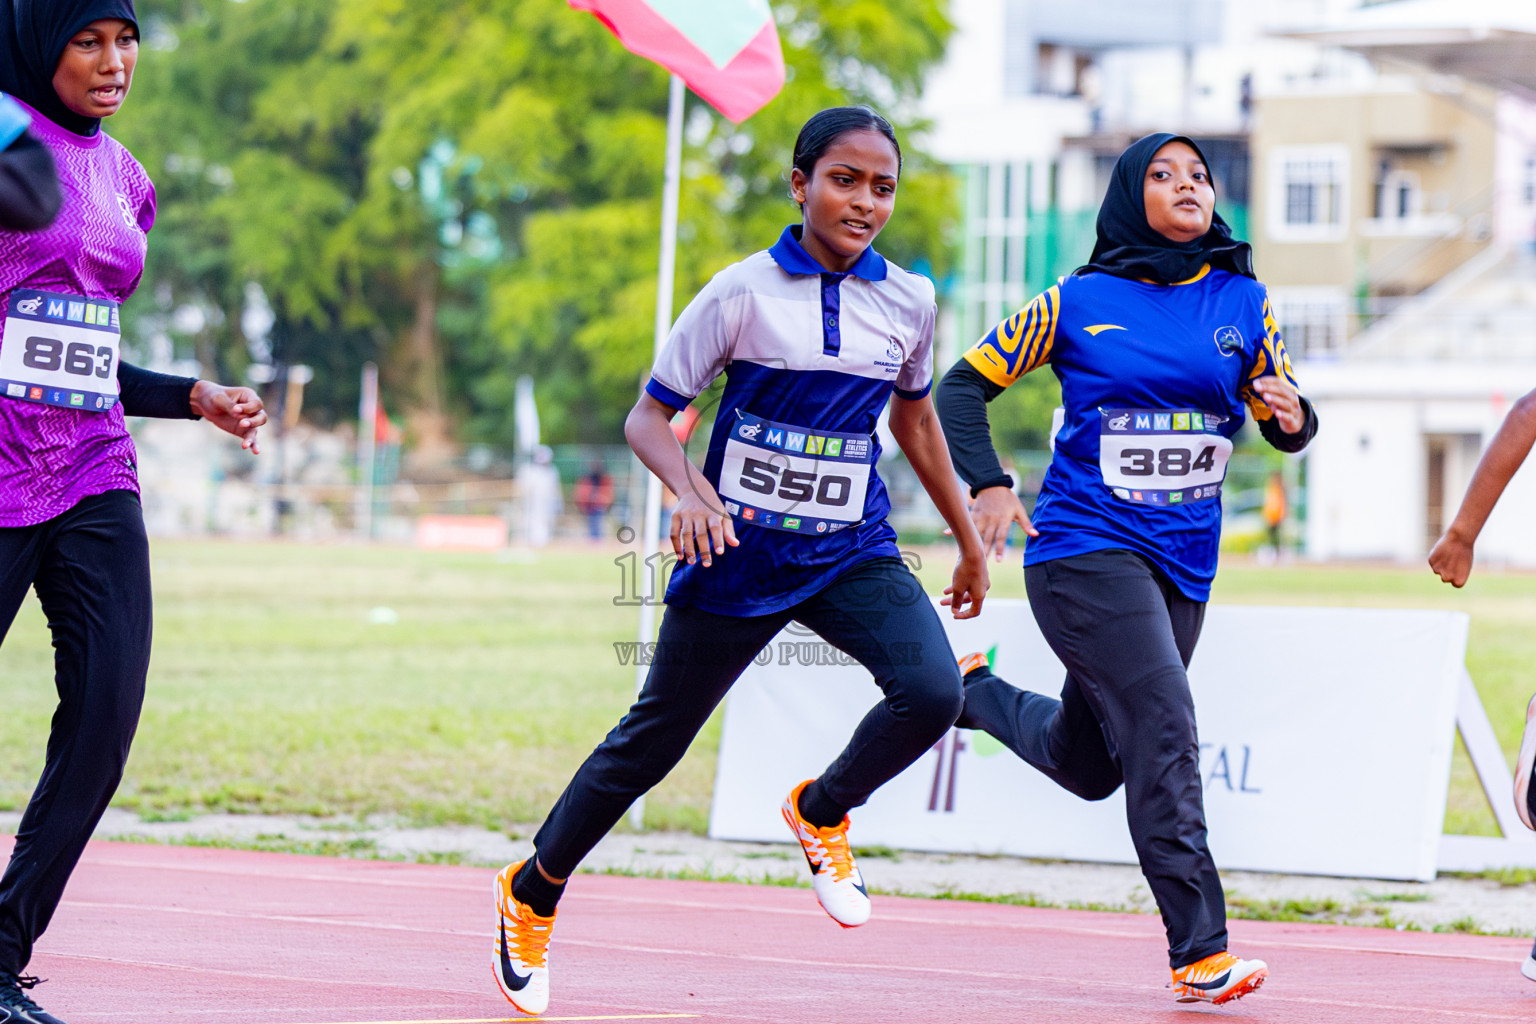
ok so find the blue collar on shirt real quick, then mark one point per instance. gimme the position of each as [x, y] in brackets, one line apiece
[791, 256]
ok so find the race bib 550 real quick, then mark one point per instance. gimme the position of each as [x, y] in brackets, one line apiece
[794, 478]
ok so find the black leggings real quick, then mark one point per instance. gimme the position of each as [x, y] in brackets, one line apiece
[90, 567]
[876, 612]
[1125, 634]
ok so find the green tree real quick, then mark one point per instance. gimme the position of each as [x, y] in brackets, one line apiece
[468, 192]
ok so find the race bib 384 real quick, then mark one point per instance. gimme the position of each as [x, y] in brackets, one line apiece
[1162, 456]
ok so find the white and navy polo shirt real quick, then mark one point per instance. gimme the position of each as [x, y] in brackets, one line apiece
[811, 358]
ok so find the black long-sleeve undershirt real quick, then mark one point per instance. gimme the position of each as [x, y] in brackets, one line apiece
[157, 395]
[29, 186]
[962, 397]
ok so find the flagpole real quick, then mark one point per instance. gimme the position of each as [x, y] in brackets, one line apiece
[665, 272]
[367, 425]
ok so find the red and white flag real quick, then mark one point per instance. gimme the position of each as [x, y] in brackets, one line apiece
[726, 50]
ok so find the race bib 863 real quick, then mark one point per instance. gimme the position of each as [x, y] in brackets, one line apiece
[60, 350]
[1162, 456]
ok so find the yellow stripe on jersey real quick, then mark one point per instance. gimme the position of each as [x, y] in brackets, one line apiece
[1271, 358]
[1021, 343]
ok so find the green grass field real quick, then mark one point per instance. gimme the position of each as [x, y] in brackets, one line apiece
[272, 691]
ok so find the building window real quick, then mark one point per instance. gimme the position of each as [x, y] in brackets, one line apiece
[1308, 193]
[1398, 195]
[1528, 182]
[997, 205]
[1312, 320]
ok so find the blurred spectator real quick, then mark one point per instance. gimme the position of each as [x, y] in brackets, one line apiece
[541, 496]
[594, 497]
[1274, 509]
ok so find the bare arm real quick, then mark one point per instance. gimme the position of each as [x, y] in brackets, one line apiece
[915, 425]
[700, 527]
[1452, 557]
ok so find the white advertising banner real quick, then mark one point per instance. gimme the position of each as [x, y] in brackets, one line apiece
[1325, 745]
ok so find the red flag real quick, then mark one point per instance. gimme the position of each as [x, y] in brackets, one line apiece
[726, 50]
[684, 422]
[384, 432]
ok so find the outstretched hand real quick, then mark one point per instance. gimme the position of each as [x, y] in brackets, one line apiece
[994, 511]
[1284, 401]
[700, 527]
[968, 586]
[235, 411]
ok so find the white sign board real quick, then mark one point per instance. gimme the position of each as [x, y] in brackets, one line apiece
[1326, 739]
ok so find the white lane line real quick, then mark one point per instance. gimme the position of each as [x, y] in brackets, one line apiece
[514, 1020]
[1017, 926]
[588, 943]
[1012, 978]
[370, 983]
[246, 876]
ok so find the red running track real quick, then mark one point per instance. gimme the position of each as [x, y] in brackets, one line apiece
[169, 934]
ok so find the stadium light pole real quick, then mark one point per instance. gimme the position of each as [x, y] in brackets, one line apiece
[665, 273]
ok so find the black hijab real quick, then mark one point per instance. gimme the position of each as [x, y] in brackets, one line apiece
[1128, 247]
[33, 34]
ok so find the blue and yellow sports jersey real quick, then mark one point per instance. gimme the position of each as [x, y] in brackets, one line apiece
[1155, 381]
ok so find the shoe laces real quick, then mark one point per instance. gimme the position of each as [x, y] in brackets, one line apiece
[12, 992]
[835, 854]
[529, 937]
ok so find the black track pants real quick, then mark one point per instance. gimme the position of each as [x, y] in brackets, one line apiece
[876, 612]
[90, 567]
[1125, 634]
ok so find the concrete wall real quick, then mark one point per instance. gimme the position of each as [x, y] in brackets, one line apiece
[1367, 470]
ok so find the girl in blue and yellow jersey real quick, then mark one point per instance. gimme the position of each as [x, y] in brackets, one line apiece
[1161, 343]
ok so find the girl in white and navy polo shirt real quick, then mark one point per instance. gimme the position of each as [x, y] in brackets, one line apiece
[787, 521]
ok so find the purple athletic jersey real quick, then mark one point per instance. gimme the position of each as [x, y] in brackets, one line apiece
[50, 457]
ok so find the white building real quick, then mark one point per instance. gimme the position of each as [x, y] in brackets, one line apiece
[1409, 402]
[1035, 98]
[1020, 79]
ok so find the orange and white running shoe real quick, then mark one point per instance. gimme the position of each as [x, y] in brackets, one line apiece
[1217, 979]
[521, 958]
[971, 662]
[834, 876]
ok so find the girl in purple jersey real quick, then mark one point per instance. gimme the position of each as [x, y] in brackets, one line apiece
[70, 522]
